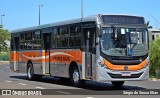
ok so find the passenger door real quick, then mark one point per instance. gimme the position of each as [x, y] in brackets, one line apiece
[47, 46]
[16, 54]
[89, 35]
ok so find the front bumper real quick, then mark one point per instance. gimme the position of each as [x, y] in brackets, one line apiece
[105, 75]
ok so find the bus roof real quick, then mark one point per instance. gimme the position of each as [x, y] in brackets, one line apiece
[119, 15]
[72, 21]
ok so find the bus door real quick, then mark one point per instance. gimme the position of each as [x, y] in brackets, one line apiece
[16, 54]
[47, 46]
[89, 36]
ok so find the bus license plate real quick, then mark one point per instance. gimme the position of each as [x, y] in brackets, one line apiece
[126, 74]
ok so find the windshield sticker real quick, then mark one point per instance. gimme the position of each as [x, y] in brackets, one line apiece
[122, 31]
[127, 30]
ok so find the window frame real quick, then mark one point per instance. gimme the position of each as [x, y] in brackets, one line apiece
[75, 36]
[28, 44]
[56, 33]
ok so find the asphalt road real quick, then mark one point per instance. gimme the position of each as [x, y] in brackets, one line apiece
[58, 88]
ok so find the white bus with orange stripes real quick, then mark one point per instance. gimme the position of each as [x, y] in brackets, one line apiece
[98, 48]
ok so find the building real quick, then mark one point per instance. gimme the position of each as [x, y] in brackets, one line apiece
[154, 33]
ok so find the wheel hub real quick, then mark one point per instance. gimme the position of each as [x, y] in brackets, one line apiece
[75, 76]
[29, 72]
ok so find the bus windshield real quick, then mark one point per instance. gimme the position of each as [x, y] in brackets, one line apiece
[124, 41]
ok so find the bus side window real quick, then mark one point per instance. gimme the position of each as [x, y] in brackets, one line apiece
[47, 46]
[16, 43]
[22, 39]
[75, 36]
[37, 40]
[54, 36]
[28, 40]
[62, 37]
[12, 42]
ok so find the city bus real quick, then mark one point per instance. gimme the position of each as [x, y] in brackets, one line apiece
[101, 48]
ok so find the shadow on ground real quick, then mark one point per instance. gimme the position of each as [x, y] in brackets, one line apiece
[89, 85]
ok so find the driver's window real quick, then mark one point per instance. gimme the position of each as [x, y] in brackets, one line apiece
[107, 41]
[134, 37]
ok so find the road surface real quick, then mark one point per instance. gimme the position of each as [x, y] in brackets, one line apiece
[62, 88]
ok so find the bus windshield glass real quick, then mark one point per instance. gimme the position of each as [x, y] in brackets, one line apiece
[124, 41]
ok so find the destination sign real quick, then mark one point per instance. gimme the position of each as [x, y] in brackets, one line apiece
[122, 19]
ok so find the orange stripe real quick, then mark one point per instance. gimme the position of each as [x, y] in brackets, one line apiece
[14, 56]
[121, 67]
[76, 55]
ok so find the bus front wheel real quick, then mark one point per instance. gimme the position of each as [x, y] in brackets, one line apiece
[117, 83]
[75, 77]
[30, 72]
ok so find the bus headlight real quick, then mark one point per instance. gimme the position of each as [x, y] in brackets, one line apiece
[101, 63]
[141, 60]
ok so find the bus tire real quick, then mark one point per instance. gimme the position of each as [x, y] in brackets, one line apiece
[75, 77]
[117, 83]
[30, 72]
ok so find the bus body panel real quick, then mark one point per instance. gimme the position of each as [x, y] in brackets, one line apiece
[122, 67]
[34, 56]
[60, 60]
[56, 61]
[105, 74]
[14, 60]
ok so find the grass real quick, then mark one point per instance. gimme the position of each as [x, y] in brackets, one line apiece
[152, 76]
[4, 56]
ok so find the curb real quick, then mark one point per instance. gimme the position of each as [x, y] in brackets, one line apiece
[4, 62]
[154, 79]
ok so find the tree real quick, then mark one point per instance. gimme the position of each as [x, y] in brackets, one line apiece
[148, 25]
[4, 37]
[155, 58]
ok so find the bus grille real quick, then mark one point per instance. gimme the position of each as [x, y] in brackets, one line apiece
[125, 62]
[120, 75]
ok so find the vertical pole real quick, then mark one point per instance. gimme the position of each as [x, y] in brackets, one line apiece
[82, 10]
[2, 20]
[39, 14]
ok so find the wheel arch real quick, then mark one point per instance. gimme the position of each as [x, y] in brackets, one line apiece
[29, 61]
[71, 66]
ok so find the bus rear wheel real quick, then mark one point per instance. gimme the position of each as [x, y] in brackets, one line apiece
[117, 83]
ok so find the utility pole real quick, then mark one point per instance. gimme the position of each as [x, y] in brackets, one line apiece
[82, 8]
[40, 13]
[2, 19]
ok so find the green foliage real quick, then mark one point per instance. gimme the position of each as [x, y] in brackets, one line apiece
[4, 37]
[5, 56]
[155, 57]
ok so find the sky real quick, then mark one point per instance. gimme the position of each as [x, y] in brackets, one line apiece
[24, 13]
